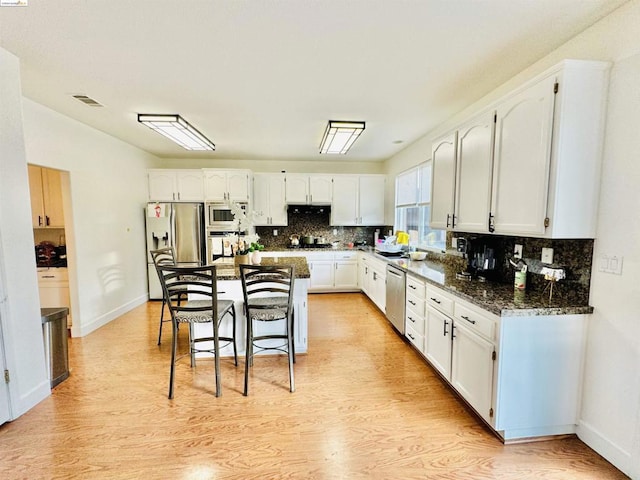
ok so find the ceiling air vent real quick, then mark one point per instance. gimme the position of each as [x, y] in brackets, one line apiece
[87, 100]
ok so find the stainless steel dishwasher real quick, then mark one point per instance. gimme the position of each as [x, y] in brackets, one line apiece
[396, 279]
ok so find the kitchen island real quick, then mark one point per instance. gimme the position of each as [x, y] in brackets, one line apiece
[230, 288]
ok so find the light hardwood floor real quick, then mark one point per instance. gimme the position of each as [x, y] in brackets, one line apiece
[366, 407]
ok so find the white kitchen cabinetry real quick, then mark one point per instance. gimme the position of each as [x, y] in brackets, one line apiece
[358, 200]
[309, 189]
[333, 271]
[443, 156]
[549, 137]
[53, 289]
[438, 341]
[269, 199]
[175, 185]
[226, 185]
[346, 271]
[377, 283]
[474, 173]
[45, 189]
[363, 273]
[415, 325]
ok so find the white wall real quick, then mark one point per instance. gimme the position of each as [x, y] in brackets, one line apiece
[108, 191]
[610, 417]
[21, 324]
[271, 166]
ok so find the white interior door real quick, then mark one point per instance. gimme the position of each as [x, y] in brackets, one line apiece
[5, 406]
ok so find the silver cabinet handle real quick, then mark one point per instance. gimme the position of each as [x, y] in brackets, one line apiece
[473, 322]
[445, 328]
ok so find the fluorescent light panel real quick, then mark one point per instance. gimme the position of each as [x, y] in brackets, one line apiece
[339, 136]
[176, 128]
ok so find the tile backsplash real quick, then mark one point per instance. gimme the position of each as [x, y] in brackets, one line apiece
[317, 224]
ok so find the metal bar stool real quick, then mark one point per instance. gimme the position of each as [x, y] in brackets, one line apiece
[268, 297]
[199, 282]
[165, 256]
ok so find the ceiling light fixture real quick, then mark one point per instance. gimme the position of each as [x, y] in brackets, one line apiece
[339, 136]
[176, 128]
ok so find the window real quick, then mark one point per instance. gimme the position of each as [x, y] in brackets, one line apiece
[416, 217]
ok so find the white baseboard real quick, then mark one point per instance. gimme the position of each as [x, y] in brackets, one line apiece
[614, 454]
[82, 330]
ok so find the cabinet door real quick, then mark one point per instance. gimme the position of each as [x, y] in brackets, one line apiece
[371, 200]
[344, 207]
[474, 173]
[37, 197]
[379, 288]
[277, 203]
[407, 188]
[363, 277]
[189, 186]
[162, 186]
[320, 189]
[238, 186]
[472, 369]
[443, 160]
[297, 191]
[521, 162]
[215, 186]
[321, 275]
[261, 202]
[52, 193]
[438, 341]
[346, 274]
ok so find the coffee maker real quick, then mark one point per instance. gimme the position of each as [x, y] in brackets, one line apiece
[482, 261]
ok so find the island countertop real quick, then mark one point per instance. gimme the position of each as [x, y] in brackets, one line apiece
[228, 270]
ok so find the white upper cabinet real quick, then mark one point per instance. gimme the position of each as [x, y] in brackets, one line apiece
[522, 159]
[407, 187]
[541, 157]
[175, 185]
[358, 200]
[268, 199]
[226, 185]
[308, 189]
[549, 137]
[474, 173]
[443, 157]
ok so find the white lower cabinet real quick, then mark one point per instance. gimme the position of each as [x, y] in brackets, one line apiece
[415, 323]
[333, 271]
[438, 341]
[472, 369]
[373, 278]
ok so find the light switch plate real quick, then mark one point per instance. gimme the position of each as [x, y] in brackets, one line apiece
[547, 255]
[517, 251]
[610, 264]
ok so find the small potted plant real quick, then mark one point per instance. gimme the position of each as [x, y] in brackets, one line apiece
[255, 248]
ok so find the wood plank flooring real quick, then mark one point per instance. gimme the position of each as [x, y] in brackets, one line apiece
[366, 407]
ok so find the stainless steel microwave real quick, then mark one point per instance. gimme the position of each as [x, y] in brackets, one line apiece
[220, 218]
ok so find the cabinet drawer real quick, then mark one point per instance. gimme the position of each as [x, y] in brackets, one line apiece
[415, 322]
[481, 324]
[439, 300]
[52, 275]
[415, 304]
[415, 287]
[416, 338]
[346, 256]
[318, 256]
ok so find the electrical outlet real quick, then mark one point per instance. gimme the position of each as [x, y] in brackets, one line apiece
[335, 231]
[275, 232]
[454, 243]
[517, 251]
[547, 255]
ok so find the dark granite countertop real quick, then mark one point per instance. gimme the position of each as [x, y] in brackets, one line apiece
[498, 298]
[228, 270]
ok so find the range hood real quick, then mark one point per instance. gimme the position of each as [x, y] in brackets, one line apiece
[309, 209]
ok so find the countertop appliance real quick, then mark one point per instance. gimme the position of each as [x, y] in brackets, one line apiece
[177, 225]
[395, 304]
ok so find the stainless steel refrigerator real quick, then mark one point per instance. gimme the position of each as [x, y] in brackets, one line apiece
[177, 225]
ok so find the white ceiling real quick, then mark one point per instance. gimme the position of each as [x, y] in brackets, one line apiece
[262, 77]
